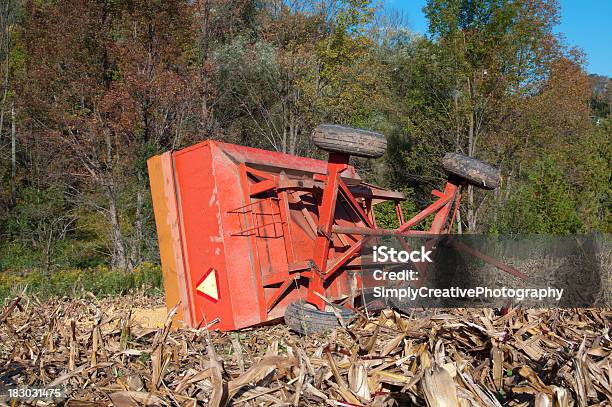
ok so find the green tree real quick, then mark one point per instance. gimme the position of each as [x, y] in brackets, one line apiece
[485, 69]
[545, 204]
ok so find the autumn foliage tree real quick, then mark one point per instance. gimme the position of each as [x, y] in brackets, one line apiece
[90, 89]
[110, 84]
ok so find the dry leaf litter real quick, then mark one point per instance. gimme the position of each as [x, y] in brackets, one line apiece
[100, 355]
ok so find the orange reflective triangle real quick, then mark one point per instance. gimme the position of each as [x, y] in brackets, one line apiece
[208, 285]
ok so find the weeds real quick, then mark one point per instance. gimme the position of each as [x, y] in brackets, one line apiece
[100, 281]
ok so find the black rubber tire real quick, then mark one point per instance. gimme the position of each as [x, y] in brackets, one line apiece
[474, 171]
[342, 139]
[305, 319]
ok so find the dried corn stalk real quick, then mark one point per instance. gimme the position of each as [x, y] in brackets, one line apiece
[96, 349]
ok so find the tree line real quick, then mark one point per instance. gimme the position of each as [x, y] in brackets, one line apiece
[91, 89]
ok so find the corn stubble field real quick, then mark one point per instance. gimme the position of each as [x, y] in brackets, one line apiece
[101, 355]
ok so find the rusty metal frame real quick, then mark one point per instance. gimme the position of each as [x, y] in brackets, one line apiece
[324, 264]
[329, 189]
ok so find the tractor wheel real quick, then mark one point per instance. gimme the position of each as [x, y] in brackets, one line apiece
[357, 142]
[474, 171]
[305, 318]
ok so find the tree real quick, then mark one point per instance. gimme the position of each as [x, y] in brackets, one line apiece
[304, 66]
[9, 12]
[90, 90]
[41, 222]
[544, 205]
[478, 71]
[601, 98]
[108, 82]
[154, 101]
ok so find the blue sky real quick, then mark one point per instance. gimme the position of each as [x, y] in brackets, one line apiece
[586, 24]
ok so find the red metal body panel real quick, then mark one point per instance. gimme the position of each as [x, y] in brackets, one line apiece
[243, 237]
[244, 232]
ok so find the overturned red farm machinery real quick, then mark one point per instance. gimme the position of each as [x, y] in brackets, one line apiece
[248, 236]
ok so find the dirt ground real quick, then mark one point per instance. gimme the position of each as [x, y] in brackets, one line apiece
[154, 317]
[121, 352]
